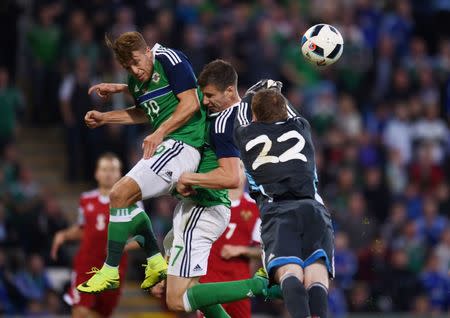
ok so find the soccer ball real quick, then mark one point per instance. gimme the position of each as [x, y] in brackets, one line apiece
[322, 45]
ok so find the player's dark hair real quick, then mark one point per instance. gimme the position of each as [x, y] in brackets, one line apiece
[109, 156]
[219, 73]
[269, 106]
[125, 44]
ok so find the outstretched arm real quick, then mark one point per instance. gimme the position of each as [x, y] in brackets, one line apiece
[73, 233]
[104, 90]
[128, 116]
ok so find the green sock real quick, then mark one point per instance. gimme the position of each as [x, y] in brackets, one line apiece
[214, 311]
[203, 295]
[275, 292]
[145, 229]
[124, 222]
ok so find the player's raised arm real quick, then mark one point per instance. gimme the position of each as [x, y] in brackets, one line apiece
[104, 90]
[128, 116]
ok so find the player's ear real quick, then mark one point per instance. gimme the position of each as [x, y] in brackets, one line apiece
[229, 91]
[148, 51]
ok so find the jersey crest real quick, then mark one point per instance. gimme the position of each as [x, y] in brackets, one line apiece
[156, 77]
[246, 215]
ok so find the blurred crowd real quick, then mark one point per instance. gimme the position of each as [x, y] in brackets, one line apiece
[380, 118]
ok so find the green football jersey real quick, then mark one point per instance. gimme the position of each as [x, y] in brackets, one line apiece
[208, 162]
[172, 74]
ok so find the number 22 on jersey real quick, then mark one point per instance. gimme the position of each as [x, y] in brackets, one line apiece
[292, 153]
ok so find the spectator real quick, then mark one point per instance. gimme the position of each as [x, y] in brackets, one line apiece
[397, 135]
[360, 227]
[33, 281]
[11, 102]
[436, 284]
[337, 305]
[383, 65]
[376, 193]
[432, 131]
[399, 283]
[83, 45]
[392, 227]
[413, 244]
[82, 143]
[345, 262]
[348, 118]
[44, 43]
[124, 22]
[442, 252]
[431, 225]
[424, 171]
[360, 300]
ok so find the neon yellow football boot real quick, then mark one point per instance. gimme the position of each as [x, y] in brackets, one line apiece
[155, 271]
[103, 279]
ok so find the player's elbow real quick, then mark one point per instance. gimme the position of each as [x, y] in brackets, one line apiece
[233, 182]
[194, 106]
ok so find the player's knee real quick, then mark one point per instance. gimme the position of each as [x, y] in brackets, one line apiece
[175, 302]
[316, 273]
[289, 270]
[116, 196]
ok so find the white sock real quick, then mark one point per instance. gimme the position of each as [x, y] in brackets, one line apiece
[186, 304]
[109, 266]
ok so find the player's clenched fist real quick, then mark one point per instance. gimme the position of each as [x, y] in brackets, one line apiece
[94, 119]
[104, 90]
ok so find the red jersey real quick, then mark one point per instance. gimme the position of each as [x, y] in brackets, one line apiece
[243, 229]
[94, 218]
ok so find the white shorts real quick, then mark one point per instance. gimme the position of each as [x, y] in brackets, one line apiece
[195, 229]
[158, 175]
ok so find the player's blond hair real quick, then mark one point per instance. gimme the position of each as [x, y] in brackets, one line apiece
[125, 44]
[269, 106]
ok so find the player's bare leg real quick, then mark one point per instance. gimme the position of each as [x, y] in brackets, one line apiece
[176, 288]
[290, 277]
[317, 283]
[84, 312]
[126, 219]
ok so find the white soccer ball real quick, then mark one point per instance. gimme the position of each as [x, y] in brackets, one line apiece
[322, 45]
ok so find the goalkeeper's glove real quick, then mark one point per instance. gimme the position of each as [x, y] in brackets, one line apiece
[265, 84]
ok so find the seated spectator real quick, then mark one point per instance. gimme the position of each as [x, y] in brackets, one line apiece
[337, 304]
[399, 283]
[345, 262]
[413, 244]
[437, 285]
[424, 171]
[431, 225]
[11, 101]
[360, 227]
[442, 252]
[33, 281]
[391, 229]
[360, 300]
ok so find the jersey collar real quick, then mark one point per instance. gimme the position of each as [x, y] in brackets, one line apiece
[154, 48]
[235, 203]
[104, 199]
[218, 113]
